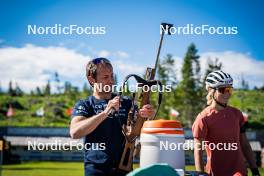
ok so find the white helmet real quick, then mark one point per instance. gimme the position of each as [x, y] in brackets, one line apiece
[217, 79]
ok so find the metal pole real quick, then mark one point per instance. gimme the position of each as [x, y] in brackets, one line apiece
[166, 26]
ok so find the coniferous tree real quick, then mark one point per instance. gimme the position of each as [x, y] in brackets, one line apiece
[57, 81]
[67, 87]
[244, 83]
[11, 91]
[38, 91]
[18, 91]
[167, 76]
[47, 89]
[1, 90]
[190, 86]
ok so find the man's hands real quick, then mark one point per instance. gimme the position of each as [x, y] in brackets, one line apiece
[147, 111]
[112, 104]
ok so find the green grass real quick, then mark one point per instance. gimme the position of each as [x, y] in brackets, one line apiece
[44, 169]
[252, 103]
[57, 168]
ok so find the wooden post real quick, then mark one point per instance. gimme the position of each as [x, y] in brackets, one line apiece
[1, 155]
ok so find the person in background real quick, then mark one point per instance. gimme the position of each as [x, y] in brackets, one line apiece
[221, 126]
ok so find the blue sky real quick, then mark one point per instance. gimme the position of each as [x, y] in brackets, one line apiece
[132, 27]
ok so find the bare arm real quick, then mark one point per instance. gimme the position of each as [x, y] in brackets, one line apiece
[82, 126]
[247, 151]
[198, 155]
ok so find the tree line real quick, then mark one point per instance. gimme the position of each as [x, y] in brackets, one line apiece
[188, 95]
[58, 88]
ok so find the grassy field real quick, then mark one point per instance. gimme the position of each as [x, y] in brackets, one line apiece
[44, 169]
[54, 168]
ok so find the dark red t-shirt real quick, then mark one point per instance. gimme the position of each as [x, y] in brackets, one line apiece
[221, 130]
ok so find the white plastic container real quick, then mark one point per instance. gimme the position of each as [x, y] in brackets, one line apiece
[161, 142]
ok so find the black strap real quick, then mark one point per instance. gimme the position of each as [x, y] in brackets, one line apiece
[255, 171]
[244, 127]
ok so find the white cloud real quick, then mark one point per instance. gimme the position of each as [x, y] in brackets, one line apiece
[121, 54]
[237, 64]
[32, 66]
[125, 68]
[103, 53]
[112, 55]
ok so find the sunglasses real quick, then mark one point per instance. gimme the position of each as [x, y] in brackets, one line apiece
[99, 60]
[224, 90]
